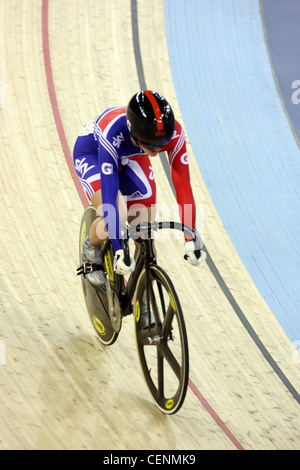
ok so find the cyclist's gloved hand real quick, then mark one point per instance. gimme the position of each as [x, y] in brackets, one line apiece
[195, 257]
[119, 264]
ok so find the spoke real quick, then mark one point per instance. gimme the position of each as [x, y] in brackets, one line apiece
[160, 373]
[153, 304]
[162, 300]
[157, 303]
[168, 321]
[171, 359]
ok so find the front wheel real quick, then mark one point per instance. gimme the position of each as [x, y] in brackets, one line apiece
[162, 345]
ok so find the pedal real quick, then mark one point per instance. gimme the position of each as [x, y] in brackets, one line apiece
[86, 268]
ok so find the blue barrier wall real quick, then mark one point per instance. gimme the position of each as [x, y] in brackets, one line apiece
[242, 140]
[282, 24]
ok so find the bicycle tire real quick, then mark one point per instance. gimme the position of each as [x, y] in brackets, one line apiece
[165, 362]
[95, 299]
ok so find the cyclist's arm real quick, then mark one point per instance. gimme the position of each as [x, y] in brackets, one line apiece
[109, 189]
[178, 160]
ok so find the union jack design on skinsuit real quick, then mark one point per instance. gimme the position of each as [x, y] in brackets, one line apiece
[105, 157]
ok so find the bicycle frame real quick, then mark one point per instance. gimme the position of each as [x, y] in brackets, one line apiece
[146, 254]
[161, 340]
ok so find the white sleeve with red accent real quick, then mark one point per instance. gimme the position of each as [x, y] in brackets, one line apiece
[179, 165]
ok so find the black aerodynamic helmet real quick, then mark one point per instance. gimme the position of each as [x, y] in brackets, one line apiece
[150, 119]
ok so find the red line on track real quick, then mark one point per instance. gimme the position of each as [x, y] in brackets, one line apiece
[54, 104]
[215, 416]
[69, 160]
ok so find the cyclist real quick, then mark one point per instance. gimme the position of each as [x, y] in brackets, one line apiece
[111, 158]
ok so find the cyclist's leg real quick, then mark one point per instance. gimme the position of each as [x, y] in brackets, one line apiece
[87, 168]
[92, 250]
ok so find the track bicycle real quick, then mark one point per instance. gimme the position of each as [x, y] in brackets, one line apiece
[162, 345]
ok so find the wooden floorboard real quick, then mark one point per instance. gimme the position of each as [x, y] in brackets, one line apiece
[60, 389]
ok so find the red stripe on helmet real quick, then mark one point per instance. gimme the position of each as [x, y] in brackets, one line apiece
[156, 109]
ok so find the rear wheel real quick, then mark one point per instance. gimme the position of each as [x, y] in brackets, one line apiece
[95, 298]
[162, 348]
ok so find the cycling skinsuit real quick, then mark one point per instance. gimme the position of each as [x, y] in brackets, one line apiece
[105, 158]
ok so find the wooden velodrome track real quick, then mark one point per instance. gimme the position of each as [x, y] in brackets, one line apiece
[60, 389]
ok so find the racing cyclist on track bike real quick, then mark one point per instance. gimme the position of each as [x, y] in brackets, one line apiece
[111, 158]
